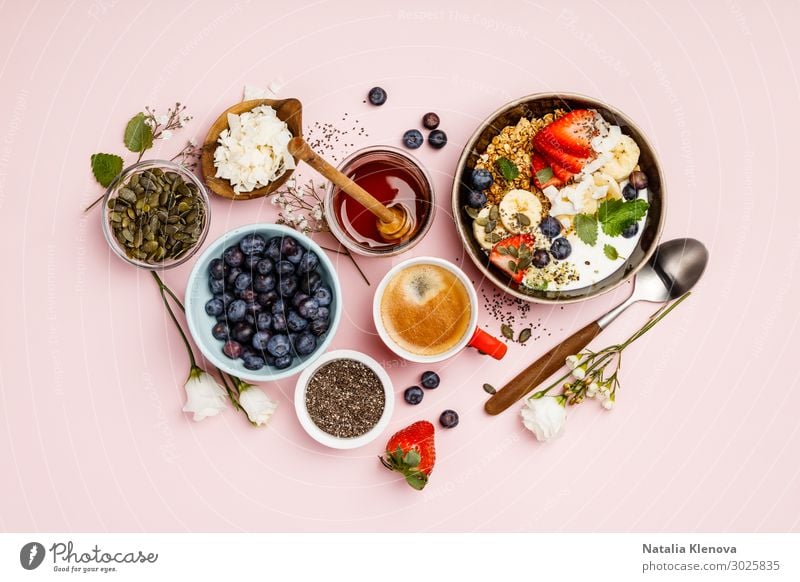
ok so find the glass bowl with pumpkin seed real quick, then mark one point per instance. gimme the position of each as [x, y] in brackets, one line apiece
[155, 214]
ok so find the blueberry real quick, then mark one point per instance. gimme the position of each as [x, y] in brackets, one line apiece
[412, 139]
[233, 256]
[273, 250]
[278, 345]
[278, 307]
[253, 308]
[323, 296]
[248, 318]
[638, 180]
[232, 349]
[264, 283]
[430, 120]
[231, 275]
[308, 263]
[448, 418]
[298, 298]
[413, 395]
[561, 249]
[216, 268]
[216, 286]
[377, 96]
[268, 298]
[287, 286]
[215, 306]
[540, 259]
[475, 198]
[250, 262]
[269, 359]
[323, 313]
[253, 362]
[630, 231]
[319, 326]
[291, 249]
[284, 268]
[481, 179]
[252, 244]
[242, 332]
[430, 379]
[437, 139]
[220, 331]
[263, 320]
[248, 295]
[629, 192]
[236, 310]
[227, 298]
[295, 321]
[243, 281]
[550, 226]
[308, 308]
[305, 344]
[279, 323]
[310, 283]
[264, 266]
[261, 340]
[283, 362]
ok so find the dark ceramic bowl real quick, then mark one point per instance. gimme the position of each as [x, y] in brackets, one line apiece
[538, 105]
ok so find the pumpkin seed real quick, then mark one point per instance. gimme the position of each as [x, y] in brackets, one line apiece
[490, 226]
[524, 335]
[482, 221]
[489, 389]
[471, 212]
[523, 219]
[494, 238]
[507, 332]
[494, 212]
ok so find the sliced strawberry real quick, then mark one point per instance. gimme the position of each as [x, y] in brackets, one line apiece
[561, 172]
[571, 133]
[411, 453]
[554, 153]
[538, 163]
[513, 255]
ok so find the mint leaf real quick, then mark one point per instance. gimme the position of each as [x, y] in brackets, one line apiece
[544, 175]
[105, 168]
[507, 168]
[616, 215]
[586, 228]
[611, 252]
[138, 135]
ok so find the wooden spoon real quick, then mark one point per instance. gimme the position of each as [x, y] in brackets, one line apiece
[394, 222]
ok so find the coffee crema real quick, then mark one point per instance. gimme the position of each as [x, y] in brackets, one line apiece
[426, 309]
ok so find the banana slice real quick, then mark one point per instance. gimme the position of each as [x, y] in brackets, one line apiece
[624, 158]
[485, 239]
[604, 187]
[520, 211]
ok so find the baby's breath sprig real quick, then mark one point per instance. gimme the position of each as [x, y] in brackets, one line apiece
[596, 374]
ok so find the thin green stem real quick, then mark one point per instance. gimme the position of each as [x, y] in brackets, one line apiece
[93, 204]
[161, 288]
[231, 394]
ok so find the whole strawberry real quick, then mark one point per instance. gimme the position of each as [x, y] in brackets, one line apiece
[411, 453]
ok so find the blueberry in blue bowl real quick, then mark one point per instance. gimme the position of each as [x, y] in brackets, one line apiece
[263, 302]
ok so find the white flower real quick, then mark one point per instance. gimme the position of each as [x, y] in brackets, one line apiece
[166, 135]
[545, 417]
[149, 122]
[258, 406]
[163, 119]
[204, 397]
[591, 389]
[608, 404]
[573, 361]
[317, 212]
[579, 372]
[193, 143]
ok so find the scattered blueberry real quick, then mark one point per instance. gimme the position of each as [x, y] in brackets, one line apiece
[216, 286]
[220, 331]
[248, 295]
[231, 275]
[319, 326]
[481, 179]
[323, 313]
[412, 139]
[561, 249]
[273, 250]
[413, 395]
[263, 321]
[264, 283]
[236, 310]
[308, 308]
[278, 307]
[629, 192]
[550, 226]
[305, 344]
[242, 332]
[278, 345]
[540, 258]
[284, 268]
[279, 323]
[377, 96]
[250, 262]
[295, 321]
[475, 198]
[291, 250]
[261, 340]
[264, 266]
[216, 269]
[448, 419]
[252, 244]
[287, 286]
[232, 349]
[630, 231]
[243, 281]
[430, 379]
[253, 362]
[323, 295]
[233, 256]
[430, 120]
[268, 298]
[310, 283]
[283, 362]
[639, 180]
[298, 298]
[437, 139]
[308, 263]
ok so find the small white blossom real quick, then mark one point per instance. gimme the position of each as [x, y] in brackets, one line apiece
[591, 389]
[545, 417]
[608, 404]
[572, 362]
[258, 406]
[166, 135]
[317, 212]
[163, 119]
[204, 397]
[580, 372]
[192, 143]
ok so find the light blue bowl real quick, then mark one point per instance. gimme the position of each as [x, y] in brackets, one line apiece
[198, 293]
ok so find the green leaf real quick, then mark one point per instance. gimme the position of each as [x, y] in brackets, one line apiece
[417, 480]
[138, 135]
[507, 168]
[544, 175]
[616, 215]
[106, 167]
[611, 252]
[586, 228]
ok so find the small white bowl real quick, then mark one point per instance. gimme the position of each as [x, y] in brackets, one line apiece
[320, 435]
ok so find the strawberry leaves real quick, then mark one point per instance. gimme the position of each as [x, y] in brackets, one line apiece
[407, 464]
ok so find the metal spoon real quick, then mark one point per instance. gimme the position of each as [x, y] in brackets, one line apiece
[674, 269]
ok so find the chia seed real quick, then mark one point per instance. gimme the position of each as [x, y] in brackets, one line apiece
[345, 398]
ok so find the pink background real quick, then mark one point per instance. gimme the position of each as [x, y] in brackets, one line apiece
[705, 434]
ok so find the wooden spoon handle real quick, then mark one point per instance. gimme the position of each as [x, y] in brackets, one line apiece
[527, 380]
[302, 151]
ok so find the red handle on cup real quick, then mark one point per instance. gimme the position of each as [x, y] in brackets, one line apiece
[488, 344]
